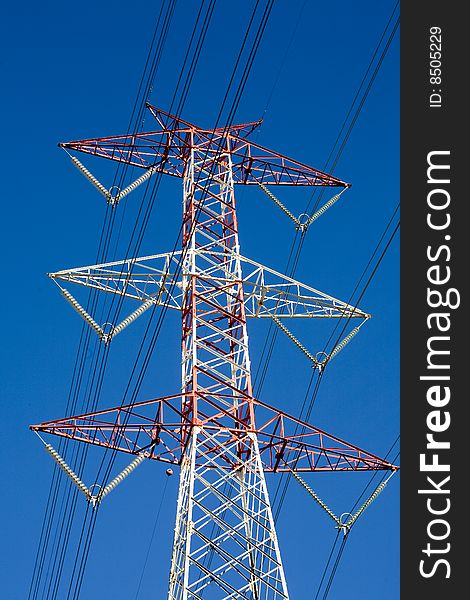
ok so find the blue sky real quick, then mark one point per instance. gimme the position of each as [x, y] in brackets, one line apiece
[71, 72]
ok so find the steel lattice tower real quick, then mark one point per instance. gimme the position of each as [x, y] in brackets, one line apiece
[223, 439]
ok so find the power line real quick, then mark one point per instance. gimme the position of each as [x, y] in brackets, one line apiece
[231, 114]
[335, 566]
[298, 248]
[341, 549]
[299, 239]
[321, 374]
[76, 379]
[245, 74]
[95, 384]
[157, 517]
[325, 570]
[362, 101]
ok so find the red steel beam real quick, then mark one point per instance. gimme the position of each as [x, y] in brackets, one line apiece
[129, 429]
[168, 149]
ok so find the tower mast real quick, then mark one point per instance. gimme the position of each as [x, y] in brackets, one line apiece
[221, 436]
[223, 503]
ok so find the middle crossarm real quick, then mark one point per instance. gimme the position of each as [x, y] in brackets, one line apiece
[158, 277]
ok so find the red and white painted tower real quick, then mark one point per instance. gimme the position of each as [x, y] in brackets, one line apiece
[223, 439]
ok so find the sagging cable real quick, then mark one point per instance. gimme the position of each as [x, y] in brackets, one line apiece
[299, 345]
[128, 320]
[83, 313]
[66, 469]
[96, 499]
[280, 204]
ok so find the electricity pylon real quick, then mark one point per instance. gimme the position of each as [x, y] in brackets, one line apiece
[221, 436]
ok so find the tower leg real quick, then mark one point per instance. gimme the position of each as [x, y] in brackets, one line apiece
[225, 544]
[182, 539]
